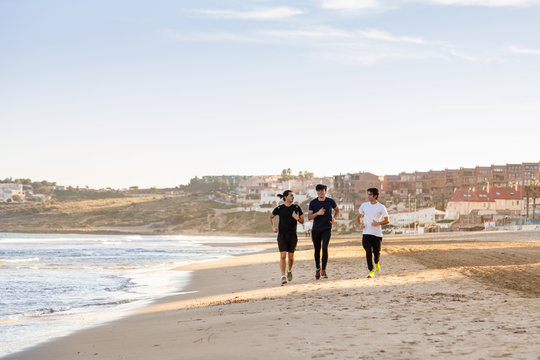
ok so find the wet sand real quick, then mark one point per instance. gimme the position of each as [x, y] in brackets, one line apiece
[443, 296]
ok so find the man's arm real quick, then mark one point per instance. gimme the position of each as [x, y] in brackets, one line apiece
[311, 215]
[380, 223]
[336, 209]
[337, 212]
[299, 218]
[360, 221]
[272, 216]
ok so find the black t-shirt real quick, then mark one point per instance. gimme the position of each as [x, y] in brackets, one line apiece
[286, 222]
[322, 222]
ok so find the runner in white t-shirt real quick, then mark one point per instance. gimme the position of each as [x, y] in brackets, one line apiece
[371, 216]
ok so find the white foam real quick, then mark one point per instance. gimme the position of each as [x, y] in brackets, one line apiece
[9, 319]
[19, 260]
[142, 264]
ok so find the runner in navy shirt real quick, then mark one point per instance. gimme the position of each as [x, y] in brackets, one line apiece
[320, 211]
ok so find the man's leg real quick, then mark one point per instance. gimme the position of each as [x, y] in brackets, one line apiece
[316, 238]
[282, 259]
[291, 260]
[325, 241]
[377, 242]
[366, 243]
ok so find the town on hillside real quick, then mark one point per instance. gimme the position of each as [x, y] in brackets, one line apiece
[480, 198]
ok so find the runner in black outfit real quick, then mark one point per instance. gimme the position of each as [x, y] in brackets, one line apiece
[289, 216]
[320, 211]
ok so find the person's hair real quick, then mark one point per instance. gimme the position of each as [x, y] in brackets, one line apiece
[285, 194]
[374, 191]
[320, 187]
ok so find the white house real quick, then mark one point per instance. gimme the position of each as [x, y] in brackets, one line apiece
[268, 196]
[252, 187]
[8, 191]
[421, 216]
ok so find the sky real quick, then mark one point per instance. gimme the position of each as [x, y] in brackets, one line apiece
[124, 93]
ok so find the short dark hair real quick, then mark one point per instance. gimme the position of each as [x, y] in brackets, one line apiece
[320, 187]
[374, 191]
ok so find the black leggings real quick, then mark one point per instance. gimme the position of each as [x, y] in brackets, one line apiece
[318, 237]
[372, 242]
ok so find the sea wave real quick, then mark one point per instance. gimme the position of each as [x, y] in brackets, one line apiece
[46, 311]
[50, 281]
[123, 286]
[118, 302]
[18, 260]
[9, 319]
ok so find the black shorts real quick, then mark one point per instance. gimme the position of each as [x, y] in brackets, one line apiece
[287, 242]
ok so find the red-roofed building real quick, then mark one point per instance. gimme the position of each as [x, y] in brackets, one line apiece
[465, 201]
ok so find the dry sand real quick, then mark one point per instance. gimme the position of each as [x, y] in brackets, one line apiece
[448, 296]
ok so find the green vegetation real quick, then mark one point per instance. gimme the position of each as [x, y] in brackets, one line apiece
[211, 184]
[73, 194]
[440, 199]
[532, 191]
[286, 174]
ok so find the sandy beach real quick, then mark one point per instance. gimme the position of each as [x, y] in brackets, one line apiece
[442, 296]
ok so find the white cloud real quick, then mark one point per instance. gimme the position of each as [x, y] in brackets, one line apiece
[207, 36]
[309, 34]
[349, 4]
[519, 50]
[384, 36]
[474, 58]
[260, 14]
[369, 46]
[357, 5]
[372, 56]
[463, 55]
[331, 33]
[489, 3]
[360, 59]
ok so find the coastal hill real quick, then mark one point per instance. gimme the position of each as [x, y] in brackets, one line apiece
[146, 214]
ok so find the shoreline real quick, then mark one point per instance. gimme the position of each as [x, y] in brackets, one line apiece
[187, 291]
[119, 232]
[76, 231]
[98, 316]
[234, 308]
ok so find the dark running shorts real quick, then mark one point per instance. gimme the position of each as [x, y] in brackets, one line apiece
[287, 242]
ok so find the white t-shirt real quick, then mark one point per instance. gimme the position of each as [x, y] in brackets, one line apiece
[372, 212]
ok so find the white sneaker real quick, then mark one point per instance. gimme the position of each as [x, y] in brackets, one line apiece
[283, 280]
[289, 275]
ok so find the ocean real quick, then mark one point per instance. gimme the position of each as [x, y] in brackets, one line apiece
[52, 285]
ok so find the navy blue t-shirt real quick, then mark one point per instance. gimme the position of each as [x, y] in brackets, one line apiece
[322, 222]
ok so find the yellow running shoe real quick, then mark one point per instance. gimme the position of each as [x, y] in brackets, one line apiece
[371, 274]
[377, 267]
